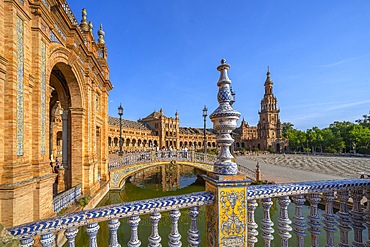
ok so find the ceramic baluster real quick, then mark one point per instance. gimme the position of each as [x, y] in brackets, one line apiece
[252, 225]
[314, 219]
[284, 221]
[343, 218]
[174, 237]
[113, 226]
[154, 238]
[193, 232]
[266, 223]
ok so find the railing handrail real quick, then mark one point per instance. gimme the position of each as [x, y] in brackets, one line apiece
[160, 155]
[116, 211]
[66, 198]
[299, 188]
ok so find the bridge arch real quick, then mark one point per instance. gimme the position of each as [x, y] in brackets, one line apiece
[119, 175]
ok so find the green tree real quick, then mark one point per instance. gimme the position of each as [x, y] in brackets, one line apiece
[365, 121]
[287, 127]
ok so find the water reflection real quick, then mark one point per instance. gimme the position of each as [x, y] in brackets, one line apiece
[160, 181]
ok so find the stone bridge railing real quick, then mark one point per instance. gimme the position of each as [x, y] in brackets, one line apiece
[155, 156]
[352, 218]
[66, 198]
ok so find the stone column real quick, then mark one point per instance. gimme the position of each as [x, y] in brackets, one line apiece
[65, 139]
[227, 217]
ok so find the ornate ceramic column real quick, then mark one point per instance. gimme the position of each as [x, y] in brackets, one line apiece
[227, 217]
[224, 122]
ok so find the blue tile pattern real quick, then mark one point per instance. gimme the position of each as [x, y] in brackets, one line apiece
[20, 86]
[224, 120]
[66, 198]
[88, 119]
[54, 38]
[276, 190]
[112, 212]
[43, 98]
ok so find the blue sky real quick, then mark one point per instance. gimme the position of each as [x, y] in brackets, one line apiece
[164, 54]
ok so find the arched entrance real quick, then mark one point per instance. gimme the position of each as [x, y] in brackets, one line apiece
[62, 133]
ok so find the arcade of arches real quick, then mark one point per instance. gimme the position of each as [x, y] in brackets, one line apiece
[157, 130]
[54, 80]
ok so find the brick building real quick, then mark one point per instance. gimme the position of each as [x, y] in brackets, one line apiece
[54, 80]
[158, 130]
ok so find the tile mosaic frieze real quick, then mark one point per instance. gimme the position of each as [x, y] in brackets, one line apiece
[88, 119]
[20, 87]
[233, 222]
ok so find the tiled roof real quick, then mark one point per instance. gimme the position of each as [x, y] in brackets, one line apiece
[154, 114]
[127, 123]
[189, 130]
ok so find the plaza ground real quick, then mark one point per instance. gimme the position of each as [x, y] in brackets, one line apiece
[299, 168]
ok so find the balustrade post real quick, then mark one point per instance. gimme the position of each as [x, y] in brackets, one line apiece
[227, 217]
[357, 218]
[47, 240]
[266, 222]
[193, 233]
[27, 242]
[284, 220]
[92, 231]
[367, 216]
[329, 218]
[154, 238]
[343, 218]
[299, 221]
[314, 219]
[71, 234]
[134, 240]
[113, 226]
[174, 237]
[252, 225]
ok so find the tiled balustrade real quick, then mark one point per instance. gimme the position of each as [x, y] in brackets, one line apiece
[352, 218]
[66, 198]
[154, 156]
[132, 210]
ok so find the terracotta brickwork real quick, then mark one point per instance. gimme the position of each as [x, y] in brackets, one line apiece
[267, 135]
[48, 63]
[158, 130]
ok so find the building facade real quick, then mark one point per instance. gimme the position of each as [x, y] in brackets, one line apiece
[157, 130]
[267, 135]
[54, 80]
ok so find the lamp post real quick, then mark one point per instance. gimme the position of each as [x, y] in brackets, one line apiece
[120, 113]
[232, 101]
[204, 130]
[232, 96]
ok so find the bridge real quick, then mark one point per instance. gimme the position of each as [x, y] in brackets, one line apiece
[123, 167]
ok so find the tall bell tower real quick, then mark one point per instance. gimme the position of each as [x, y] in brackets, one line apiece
[269, 126]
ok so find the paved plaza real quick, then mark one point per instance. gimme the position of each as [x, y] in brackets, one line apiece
[283, 168]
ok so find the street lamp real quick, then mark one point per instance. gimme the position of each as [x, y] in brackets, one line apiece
[232, 101]
[204, 130]
[120, 113]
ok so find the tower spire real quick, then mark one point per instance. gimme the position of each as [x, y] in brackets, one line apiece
[84, 24]
[101, 35]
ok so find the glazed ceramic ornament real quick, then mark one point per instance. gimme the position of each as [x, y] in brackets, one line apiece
[224, 120]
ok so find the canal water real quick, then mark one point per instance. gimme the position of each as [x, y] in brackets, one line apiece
[169, 180]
